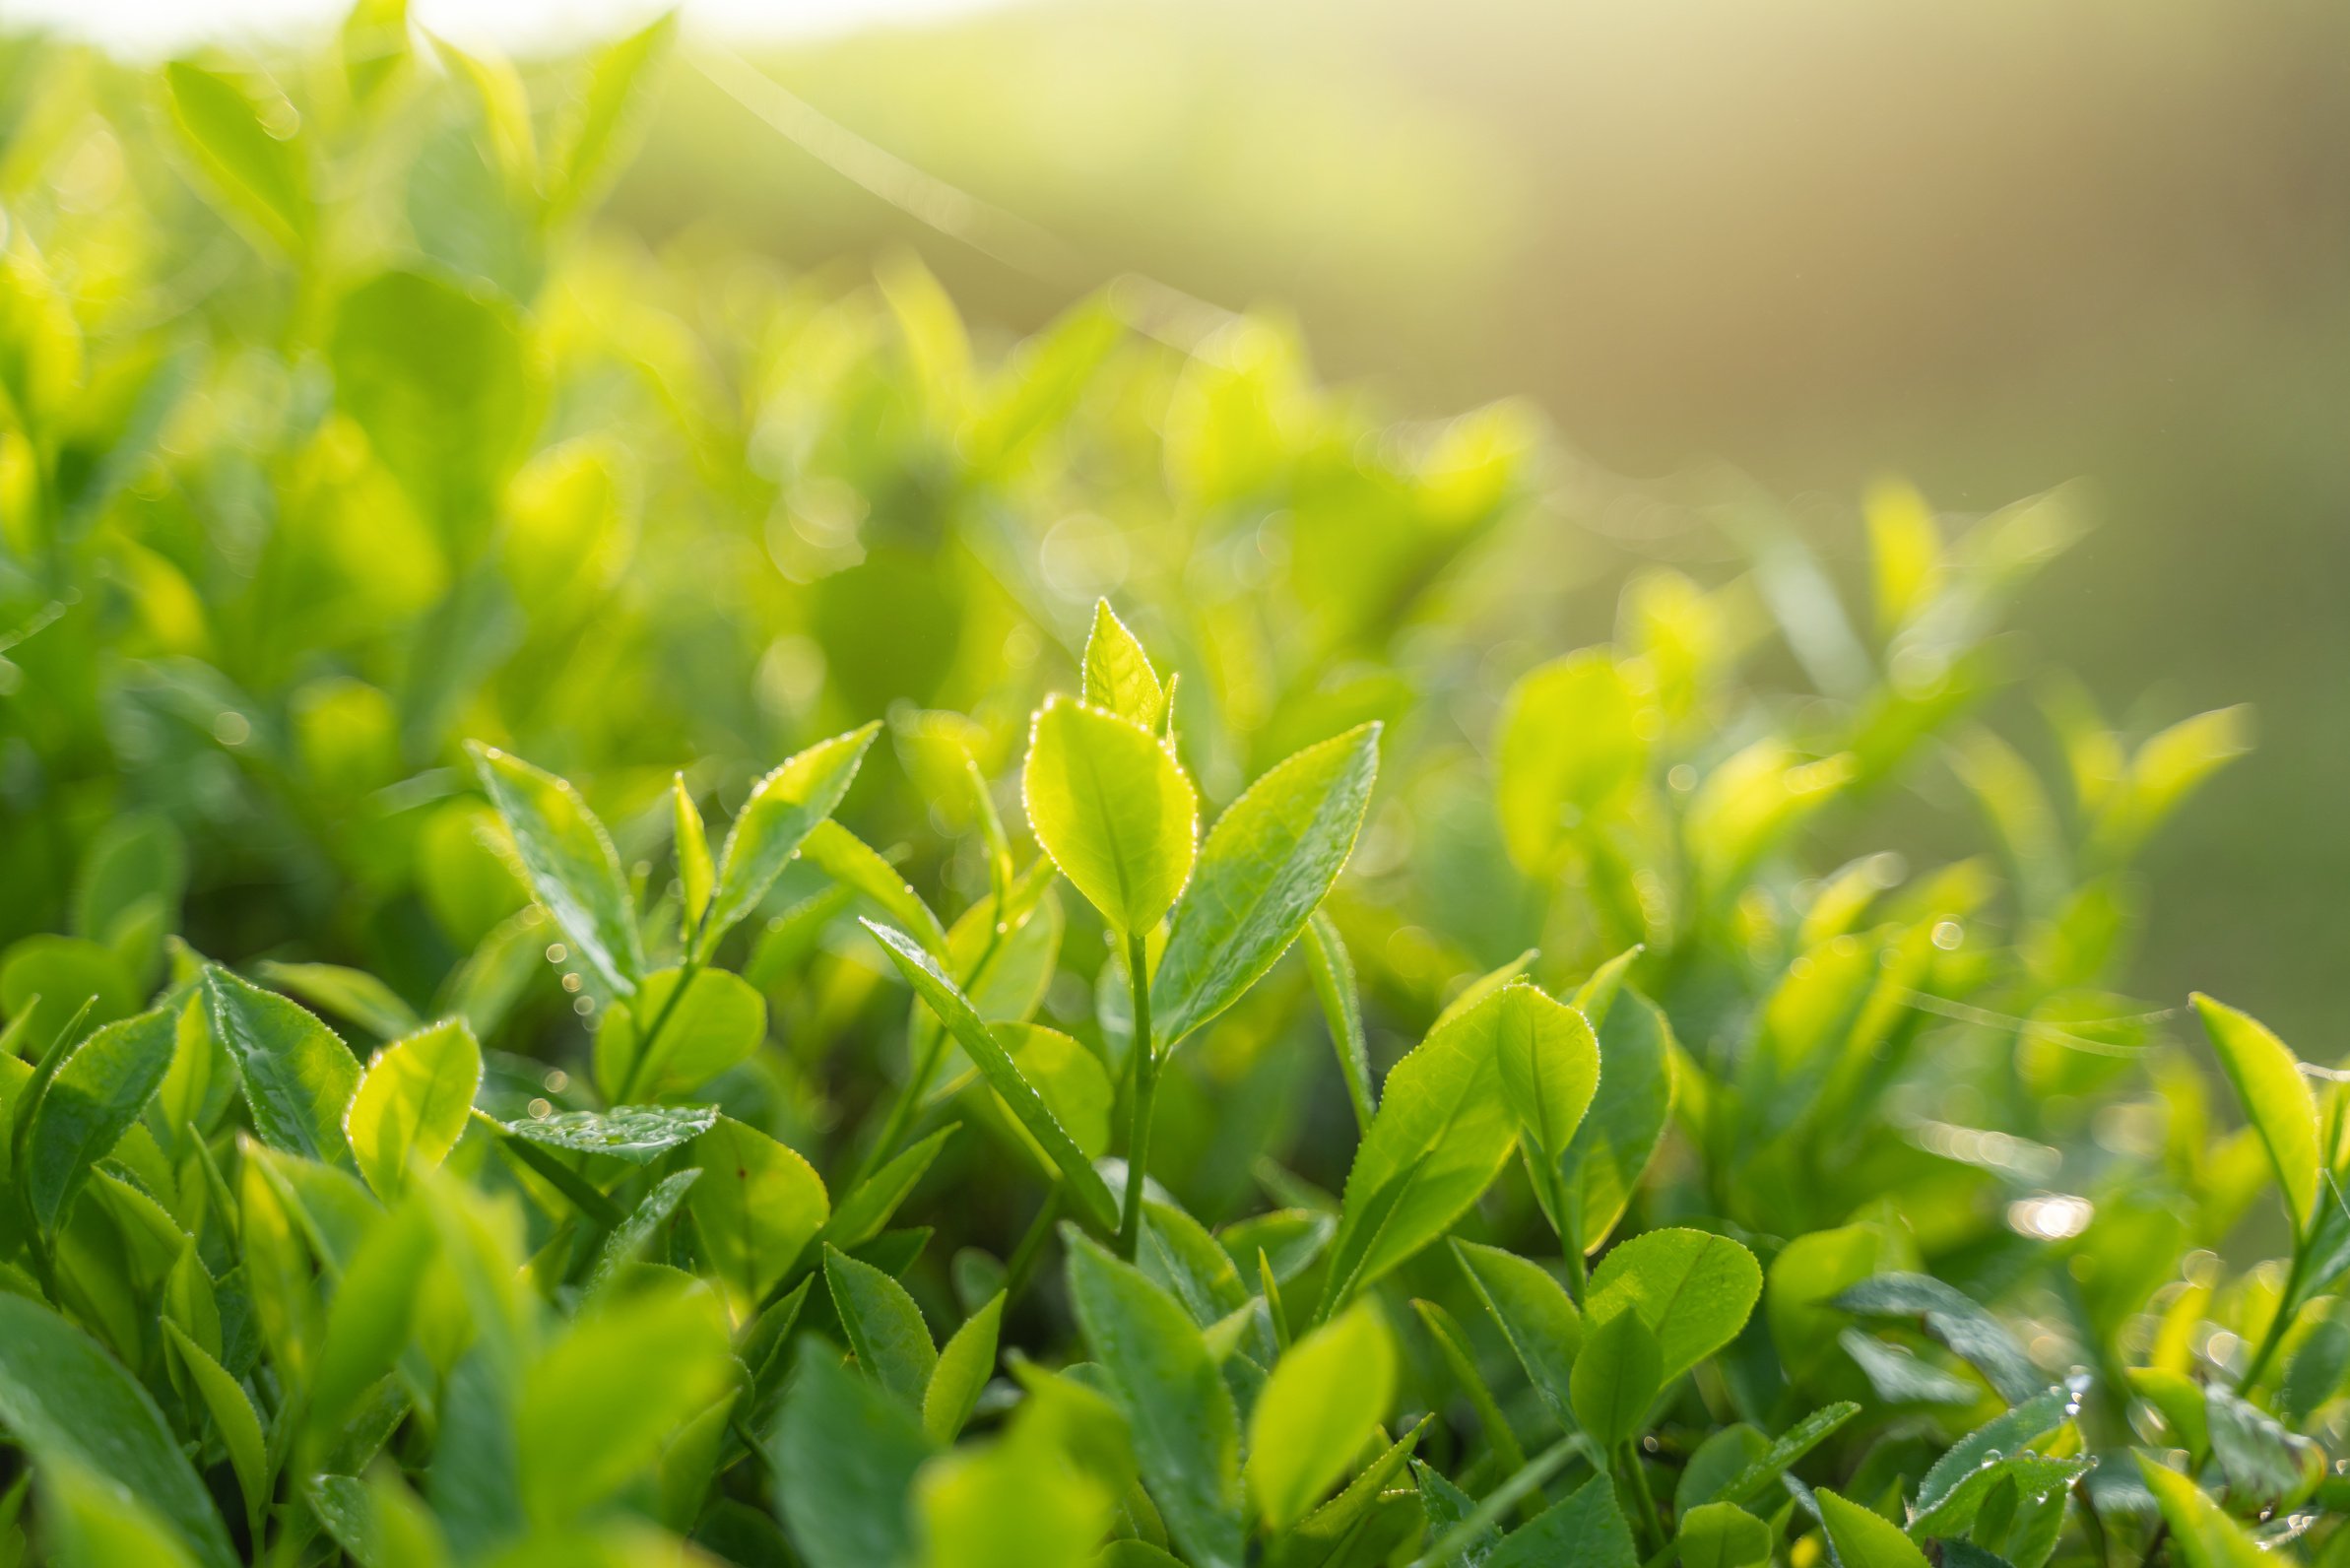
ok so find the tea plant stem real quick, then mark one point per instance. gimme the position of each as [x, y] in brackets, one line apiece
[1146, 1089]
[2278, 1323]
[688, 973]
[1644, 1502]
[1031, 1248]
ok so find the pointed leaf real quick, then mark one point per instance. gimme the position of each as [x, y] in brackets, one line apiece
[1616, 1375]
[1118, 677]
[1549, 1063]
[2276, 1100]
[1327, 1393]
[891, 1343]
[757, 1206]
[782, 809]
[965, 1366]
[95, 1095]
[1692, 1288]
[843, 1455]
[1108, 801]
[298, 1075]
[412, 1104]
[1866, 1539]
[569, 862]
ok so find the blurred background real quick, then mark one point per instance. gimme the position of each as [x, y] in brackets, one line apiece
[1988, 246]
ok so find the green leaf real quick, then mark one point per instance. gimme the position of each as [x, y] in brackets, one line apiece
[601, 119]
[1693, 1289]
[1550, 1065]
[1118, 678]
[2268, 1467]
[1186, 1432]
[2206, 1537]
[1783, 1451]
[2315, 1373]
[637, 1133]
[1954, 1319]
[65, 970]
[862, 1215]
[1723, 1535]
[891, 1343]
[251, 150]
[758, 1206]
[965, 1366]
[632, 1234]
[351, 995]
[1333, 973]
[1587, 1530]
[717, 1023]
[597, 1407]
[1441, 1135]
[440, 375]
[783, 809]
[412, 1104]
[1536, 1316]
[1617, 1376]
[2275, 1097]
[91, 1101]
[1570, 748]
[1327, 1393]
[1810, 1271]
[71, 1404]
[996, 1064]
[367, 1322]
[298, 1075]
[843, 1456]
[570, 865]
[94, 1523]
[697, 873]
[853, 862]
[1260, 875]
[1862, 1538]
[1108, 801]
[233, 1414]
[1601, 1165]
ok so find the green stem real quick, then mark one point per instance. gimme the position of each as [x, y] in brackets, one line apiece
[1031, 1248]
[2277, 1325]
[1146, 1089]
[1644, 1502]
[688, 973]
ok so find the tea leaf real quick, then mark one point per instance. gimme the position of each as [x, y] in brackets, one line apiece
[1617, 1373]
[298, 1075]
[1536, 1316]
[71, 1404]
[1864, 1539]
[756, 1206]
[965, 1363]
[570, 864]
[1601, 1164]
[891, 1343]
[1692, 1289]
[783, 809]
[2207, 1537]
[1587, 1530]
[844, 1454]
[1261, 873]
[637, 1133]
[95, 1095]
[262, 173]
[1118, 678]
[412, 1104]
[715, 1023]
[1108, 803]
[1185, 1433]
[1723, 1535]
[1327, 1393]
[2276, 1100]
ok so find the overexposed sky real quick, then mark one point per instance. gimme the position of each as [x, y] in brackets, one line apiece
[149, 28]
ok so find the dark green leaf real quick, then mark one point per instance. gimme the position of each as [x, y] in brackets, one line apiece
[844, 1454]
[298, 1075]
[91, 1101]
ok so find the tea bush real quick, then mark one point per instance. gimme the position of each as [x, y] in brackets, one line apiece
[1293, 1070]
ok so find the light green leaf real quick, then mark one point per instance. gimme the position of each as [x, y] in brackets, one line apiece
[1602, 1163]
[717, 1023]
[757, 1204]
[696, 874]
[96, 1522]
[843, 1456]
[1327, 1393]
[597, 1407]
[1783, 1451]
[783, 808]
[1570, 748]
[602, 118]
[1550, 1065]
[1810, 1271]
[1118, 678]
[351, 995]
[2206, 1537]
[1108, 801]
[848, 860]
[412, 1104]
[92, 1099]
[1536, 1316]
[632, 1234]
[1262, 874]
[233, 1413]
[298, 1075]
[367, 1322]
[570, 865]
[1723, 1535]
[996, 1064]
[1863, 1539]
[71, 1404]
[891, 1343]
[963, 1368]
[1617, 1376]
[1333, 973]
[2275, 1097]
[637, 1133]
[1186, 1432]
[1441, 1135]
[251, 150]
[1693, 1289]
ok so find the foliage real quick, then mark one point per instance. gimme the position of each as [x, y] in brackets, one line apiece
[423, 1146]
